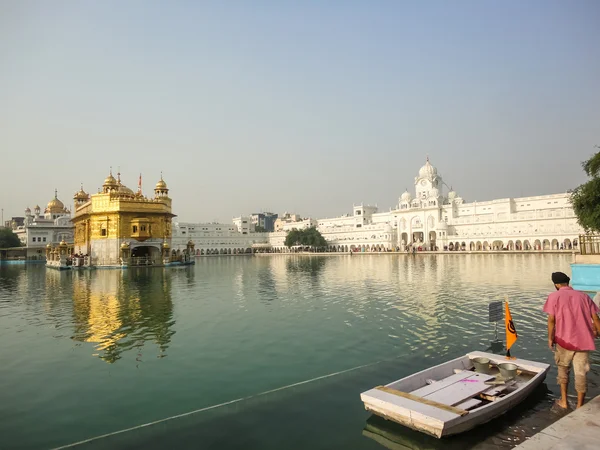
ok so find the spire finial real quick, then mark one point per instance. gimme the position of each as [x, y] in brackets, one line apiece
[140, 184]
[82, 186]
[119, 174]
[161, 176]
[427, 158]
[55, 193]
[110, 171]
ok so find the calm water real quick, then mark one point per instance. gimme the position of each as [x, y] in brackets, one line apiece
[89, 353]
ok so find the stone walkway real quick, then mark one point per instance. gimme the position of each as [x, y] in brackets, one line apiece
[579, 430]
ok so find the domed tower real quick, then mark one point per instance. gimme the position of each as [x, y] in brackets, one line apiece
[55, 208]
[405, 200]
[110, 184]
[81, 197]
[427, 184]
[161, 190]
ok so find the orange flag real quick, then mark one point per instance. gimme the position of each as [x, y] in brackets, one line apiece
[511, 332]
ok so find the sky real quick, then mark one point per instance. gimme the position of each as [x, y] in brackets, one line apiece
[306, 107]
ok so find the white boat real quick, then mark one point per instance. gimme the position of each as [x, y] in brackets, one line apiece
[452, 398]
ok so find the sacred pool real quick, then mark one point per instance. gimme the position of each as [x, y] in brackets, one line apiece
[266, 352]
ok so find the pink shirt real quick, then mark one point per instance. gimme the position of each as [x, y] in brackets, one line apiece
[574, 328]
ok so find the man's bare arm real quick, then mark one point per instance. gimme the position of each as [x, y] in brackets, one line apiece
[551, 323]
[596, 320]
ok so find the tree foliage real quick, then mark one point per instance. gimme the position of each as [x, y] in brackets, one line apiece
[586, 198]
[309, 237]
[8, 239]
[260, 229]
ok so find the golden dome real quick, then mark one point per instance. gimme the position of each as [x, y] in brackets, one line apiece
[81, 194]
[110, 180]
[63, 243]
[125, 190]
[55, 205]
[161, 184]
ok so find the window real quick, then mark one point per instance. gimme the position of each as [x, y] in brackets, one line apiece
[44, 239]
[358, 225]
[143, 227]
[103, 232]
[34, 239]
[358, 213]
[135, 229]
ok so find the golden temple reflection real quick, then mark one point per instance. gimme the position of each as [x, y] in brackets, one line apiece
[118, 311]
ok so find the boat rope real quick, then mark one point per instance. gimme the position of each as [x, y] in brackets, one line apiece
[219, 405]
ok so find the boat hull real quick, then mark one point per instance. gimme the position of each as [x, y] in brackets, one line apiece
[441, 423]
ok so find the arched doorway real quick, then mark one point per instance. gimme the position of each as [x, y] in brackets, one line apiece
[546, 244]
[478, 246]
[486, 246]
[554, 244]
[567, 244]
[537, 244]
[404, 239]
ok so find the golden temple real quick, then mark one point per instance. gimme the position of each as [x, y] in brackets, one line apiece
[120, 227]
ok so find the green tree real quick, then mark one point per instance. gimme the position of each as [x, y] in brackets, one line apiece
[586, 198]
[292, 238]
[8, 238]
[259, 229]
[309, 237]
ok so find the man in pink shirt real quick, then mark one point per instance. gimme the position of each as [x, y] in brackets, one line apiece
[573, 324]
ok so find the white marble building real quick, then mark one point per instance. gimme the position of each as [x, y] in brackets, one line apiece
[216, 238]
[51, 227]
[433, 217]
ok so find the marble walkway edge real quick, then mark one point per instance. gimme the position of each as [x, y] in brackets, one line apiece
[579, 430]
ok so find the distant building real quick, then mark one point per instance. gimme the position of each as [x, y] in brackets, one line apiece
[433, 217]
[244, 224]
[14, 222]
[286, 218]
[216, 238]
[265, 220]
[38, 230]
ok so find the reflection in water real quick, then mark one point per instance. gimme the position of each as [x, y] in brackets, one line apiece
[121, 310]
[306, 264]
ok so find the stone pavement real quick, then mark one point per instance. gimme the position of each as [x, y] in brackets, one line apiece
[579, 430]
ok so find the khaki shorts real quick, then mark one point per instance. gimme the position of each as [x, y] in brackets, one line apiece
[581, 366]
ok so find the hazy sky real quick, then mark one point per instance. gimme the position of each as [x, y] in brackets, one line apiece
[306, 106]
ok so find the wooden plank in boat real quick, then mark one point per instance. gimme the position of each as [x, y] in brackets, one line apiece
[461, 390]
[415, 398]
[441, 384]
[469, 404]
